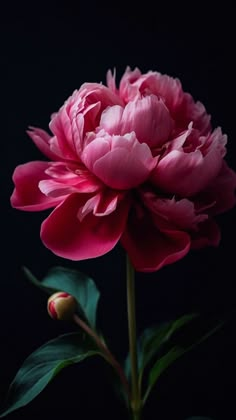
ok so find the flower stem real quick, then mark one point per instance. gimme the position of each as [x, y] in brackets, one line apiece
[135, 398]
[105, 351]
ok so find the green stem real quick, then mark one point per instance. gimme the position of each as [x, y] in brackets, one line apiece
[135, 392]
[106, 352]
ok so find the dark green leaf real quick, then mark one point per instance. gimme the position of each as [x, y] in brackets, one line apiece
[43, 365]
[36, 282]
[76, 284]
[183, 345]
[162, 364]
[153, 338]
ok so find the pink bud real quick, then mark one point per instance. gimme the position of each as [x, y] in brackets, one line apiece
[61, 306]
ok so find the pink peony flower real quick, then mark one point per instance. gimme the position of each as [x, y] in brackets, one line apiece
[138, 164]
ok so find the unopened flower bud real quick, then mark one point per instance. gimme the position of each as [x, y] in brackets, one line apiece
[61, 306]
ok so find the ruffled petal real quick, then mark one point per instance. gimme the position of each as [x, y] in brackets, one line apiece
[187, 174]
[52, 188]
[94, 150]
[121, 162]
[111, 81]
[67, 178]
[101, 204]
[219, 196]
[111, 119]
[181, 105]
[164, 86]
[27, 195]
[42, 140]
[150, 249]
[193, 111]
[125, 169]
[208, 234]
[63, 143]
[65, 235]
[174, 214]
[95, 92]
[127, 89]
[147, 117]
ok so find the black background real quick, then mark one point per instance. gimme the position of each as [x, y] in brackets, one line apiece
[46, 53]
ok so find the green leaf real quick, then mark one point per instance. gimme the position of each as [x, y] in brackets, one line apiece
[153, 338]
[44, 364]
[162, 364]
[76, 284]
[36, 282]
[182, 346]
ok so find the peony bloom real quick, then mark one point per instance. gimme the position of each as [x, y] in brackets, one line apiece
[138, 164]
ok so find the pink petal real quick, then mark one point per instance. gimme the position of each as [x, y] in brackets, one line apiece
[148, 248]
[187, 174]
[175, 214]
[127, 90]
[202, 120]
[56, 148]
[60, 125]
[120, 171]
[135, 85]
[208, 234]
[111, 81]
[27, 195]
[91, 115]
[77, 127]
[193, 111]
[125, 167]
[181, 105]
[53, 188]
[95, 92]
[176, 173]
[147, 117]
[219, 196]
[111, 119]
[164, 86]
[63, 171]
[76, 175]
[67, 178]
[64, 234]
[101, 204]
[178, 142]
[97, 148]
[42, 140]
